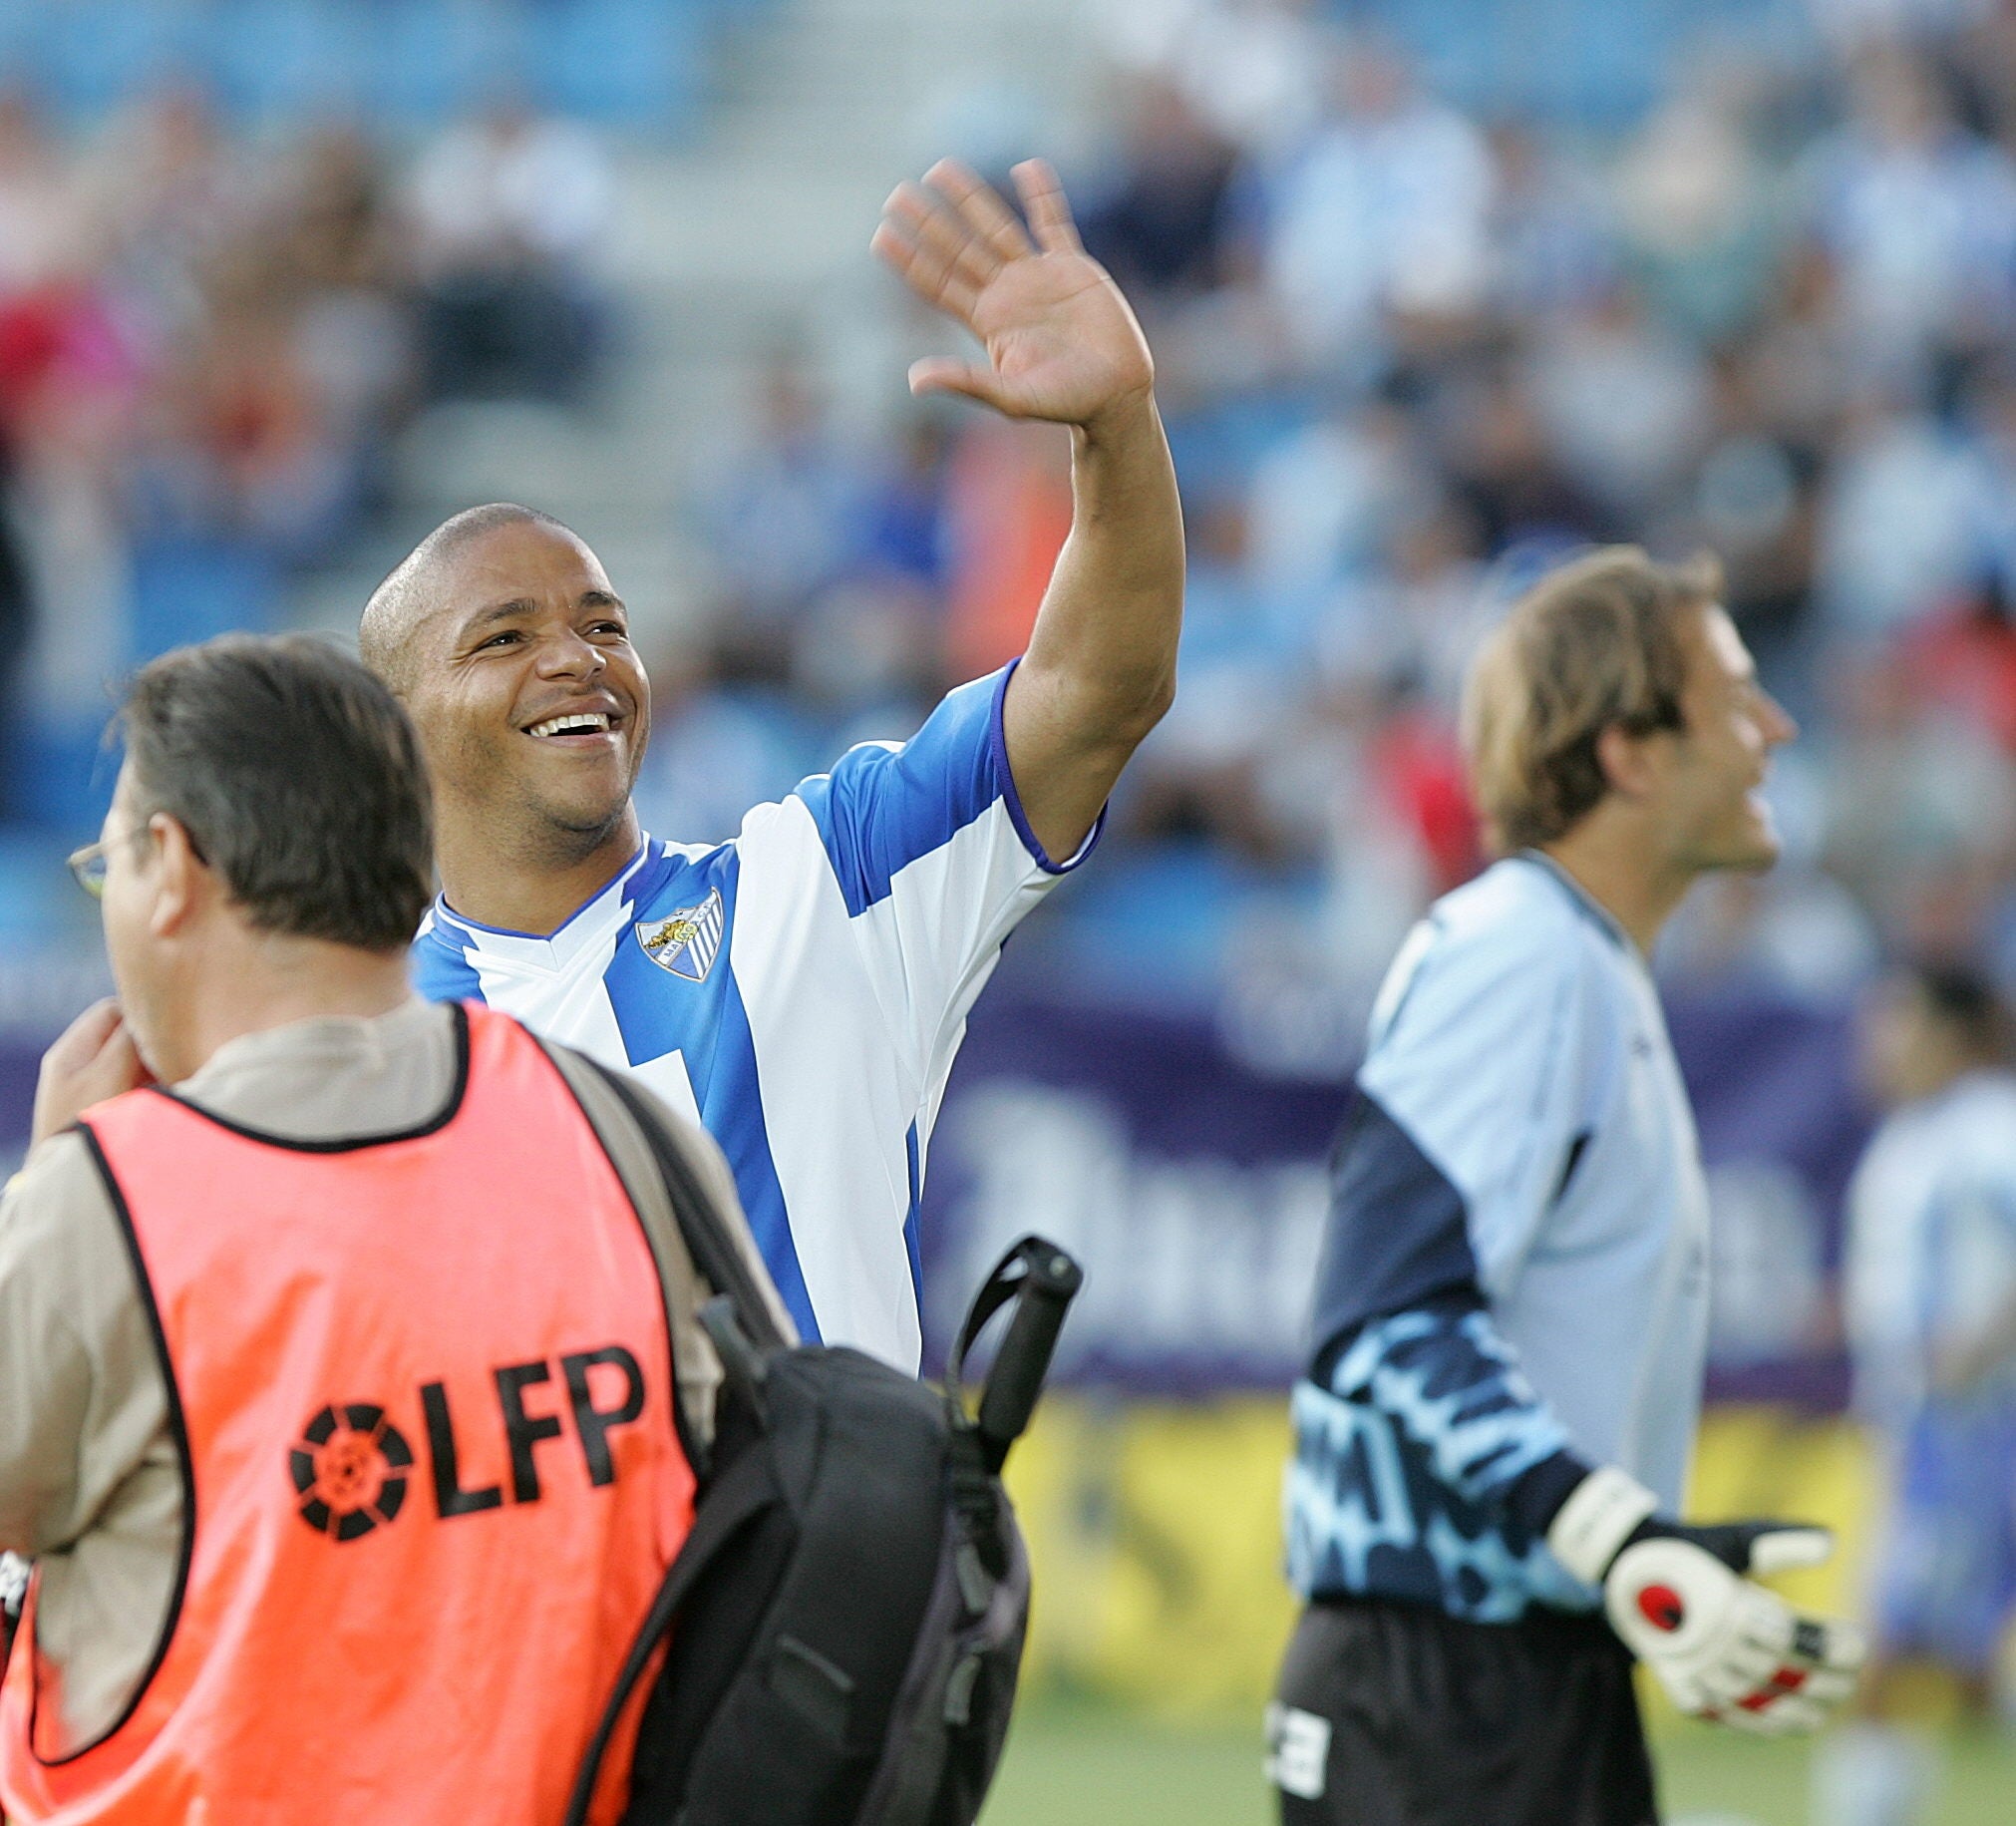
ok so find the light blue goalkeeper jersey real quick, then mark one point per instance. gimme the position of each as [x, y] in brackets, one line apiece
[1514, 1279]
[801, 990]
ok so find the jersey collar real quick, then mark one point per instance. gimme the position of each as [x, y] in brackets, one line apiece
[581, 929]
[1585, 902]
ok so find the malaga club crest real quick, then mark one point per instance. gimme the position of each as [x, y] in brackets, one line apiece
[687, 942]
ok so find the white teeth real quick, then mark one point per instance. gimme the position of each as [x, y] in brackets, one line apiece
[588, 723]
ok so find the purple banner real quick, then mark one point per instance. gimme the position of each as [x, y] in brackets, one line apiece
[1192, 1185]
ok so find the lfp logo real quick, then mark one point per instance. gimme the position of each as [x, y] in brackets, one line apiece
[349, 1469]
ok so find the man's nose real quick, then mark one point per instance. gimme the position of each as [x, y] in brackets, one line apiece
[571, 656]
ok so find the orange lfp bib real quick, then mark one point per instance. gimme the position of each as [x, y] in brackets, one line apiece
[422, 1388]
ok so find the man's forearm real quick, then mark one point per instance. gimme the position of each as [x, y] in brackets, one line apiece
[1100, 665]
[1108, 629]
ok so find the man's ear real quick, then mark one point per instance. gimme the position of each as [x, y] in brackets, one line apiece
[182, 879]
[1628, 761]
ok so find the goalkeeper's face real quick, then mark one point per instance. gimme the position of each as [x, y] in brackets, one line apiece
[528, 695]
[1711, 777]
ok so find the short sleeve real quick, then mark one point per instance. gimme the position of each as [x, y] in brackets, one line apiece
[935, 862]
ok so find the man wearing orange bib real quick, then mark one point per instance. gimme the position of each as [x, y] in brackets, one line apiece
[350, 1352]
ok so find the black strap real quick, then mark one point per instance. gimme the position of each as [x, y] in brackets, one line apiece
[742, 1493]
[722, 1266]
[1041, 1280]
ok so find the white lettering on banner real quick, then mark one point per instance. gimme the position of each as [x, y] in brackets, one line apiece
[1298, 1751]
[1194, 1258]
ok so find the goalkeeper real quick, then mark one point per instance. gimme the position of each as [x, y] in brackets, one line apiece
[1511, 1308]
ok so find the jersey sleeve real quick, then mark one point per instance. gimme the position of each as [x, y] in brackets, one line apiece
[1448, 1382]
[935, 861]
[1467, 1124]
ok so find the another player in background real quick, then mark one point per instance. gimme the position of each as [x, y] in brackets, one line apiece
[804, 987]
[1512, 1309]
[1931, 1313]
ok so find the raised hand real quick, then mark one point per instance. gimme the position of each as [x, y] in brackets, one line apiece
[1061, 341]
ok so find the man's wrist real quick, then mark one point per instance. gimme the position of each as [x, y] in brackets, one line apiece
[1120, 420]
[1602, 1512]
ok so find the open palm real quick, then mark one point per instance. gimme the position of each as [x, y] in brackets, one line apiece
[1061, 341]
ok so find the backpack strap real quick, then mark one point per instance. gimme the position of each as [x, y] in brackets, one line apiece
[720, 1263]
[1041, 1280]
[741, 1493]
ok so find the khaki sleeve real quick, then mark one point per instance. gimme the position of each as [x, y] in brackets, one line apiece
[82, 1401]
[693, 1354]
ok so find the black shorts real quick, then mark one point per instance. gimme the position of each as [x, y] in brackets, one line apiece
[1395, 1714]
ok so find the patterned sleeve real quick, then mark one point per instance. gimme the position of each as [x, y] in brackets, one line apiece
[1450, 1384]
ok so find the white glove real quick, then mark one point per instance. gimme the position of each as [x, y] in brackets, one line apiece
[1723, 1647]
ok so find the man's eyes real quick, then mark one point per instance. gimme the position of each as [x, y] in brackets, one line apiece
[510, 636]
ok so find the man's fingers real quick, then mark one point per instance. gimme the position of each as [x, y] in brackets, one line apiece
[1784, 1549]
[1830, 1643]
[939, 229]
[84, 1038]
[984, 212]
[1049, 212]
[937, 375]
[924, 272]
[937, 261]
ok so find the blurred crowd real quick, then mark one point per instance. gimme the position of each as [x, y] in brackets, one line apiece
[207, 340]
[1409, 355]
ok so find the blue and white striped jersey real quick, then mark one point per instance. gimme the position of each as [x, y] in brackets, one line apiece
[1514, 1278]
[801, 990]
[1931, 1241]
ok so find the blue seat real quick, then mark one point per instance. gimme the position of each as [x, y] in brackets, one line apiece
[189, 586]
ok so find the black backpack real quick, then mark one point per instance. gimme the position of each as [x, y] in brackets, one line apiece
[845, 1619]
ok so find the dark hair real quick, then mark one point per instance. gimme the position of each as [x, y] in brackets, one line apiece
[299, 781]
[1961, 998]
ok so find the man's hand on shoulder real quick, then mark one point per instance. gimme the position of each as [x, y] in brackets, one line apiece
[94, 1059]
[1062, 343]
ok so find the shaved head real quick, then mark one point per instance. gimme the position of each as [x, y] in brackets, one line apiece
[405, 600]
[511, 650]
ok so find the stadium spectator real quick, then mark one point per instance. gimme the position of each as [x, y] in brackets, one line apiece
[1385, 209]
[281, 1223]
[506, 208]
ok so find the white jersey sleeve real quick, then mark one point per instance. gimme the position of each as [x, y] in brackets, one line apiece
[936, 863]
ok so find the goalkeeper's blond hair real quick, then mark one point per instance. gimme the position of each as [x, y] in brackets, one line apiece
[1600, 643]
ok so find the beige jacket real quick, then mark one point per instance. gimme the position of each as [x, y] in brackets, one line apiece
[90, 1485]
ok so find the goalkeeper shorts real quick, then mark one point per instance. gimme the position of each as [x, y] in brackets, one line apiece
[1397, 1714]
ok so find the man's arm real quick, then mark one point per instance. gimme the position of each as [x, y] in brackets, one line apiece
[83, 1386]
[1062, 345]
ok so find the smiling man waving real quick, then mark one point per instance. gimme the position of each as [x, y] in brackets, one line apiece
[804, 987]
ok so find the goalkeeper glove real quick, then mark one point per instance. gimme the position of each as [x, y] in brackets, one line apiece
[1723, 1647]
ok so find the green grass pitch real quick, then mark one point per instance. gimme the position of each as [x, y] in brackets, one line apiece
[1066, 1767]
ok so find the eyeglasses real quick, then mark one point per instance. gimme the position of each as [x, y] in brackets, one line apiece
[88, 866]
